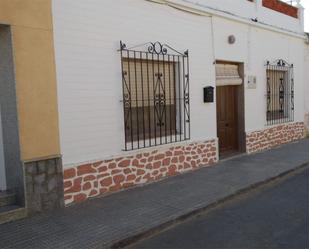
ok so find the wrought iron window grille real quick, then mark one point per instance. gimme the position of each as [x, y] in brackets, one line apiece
[156, 100]
[280, 92]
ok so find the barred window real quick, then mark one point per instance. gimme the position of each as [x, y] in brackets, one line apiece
[155, 83]
[280, 92]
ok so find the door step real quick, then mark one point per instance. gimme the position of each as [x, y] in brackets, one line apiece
[11, 213]
[7, 198]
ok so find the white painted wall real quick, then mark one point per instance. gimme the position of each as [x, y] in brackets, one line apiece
[2, 166]
[87, 35]
[246, 10]
[254, 47]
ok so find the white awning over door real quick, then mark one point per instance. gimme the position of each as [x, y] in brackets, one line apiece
[227, 74]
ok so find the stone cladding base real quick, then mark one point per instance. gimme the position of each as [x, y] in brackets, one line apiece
[274, 136]
[89, 180]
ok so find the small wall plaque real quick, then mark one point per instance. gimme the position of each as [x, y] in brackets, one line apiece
[251, 82]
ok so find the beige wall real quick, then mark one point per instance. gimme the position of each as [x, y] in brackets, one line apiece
[31, 24]
[307, 125]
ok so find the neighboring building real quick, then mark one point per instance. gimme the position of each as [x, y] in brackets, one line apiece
[307, 86]
[30, 160]
[144, 90]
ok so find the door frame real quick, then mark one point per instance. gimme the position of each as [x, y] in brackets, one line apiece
[241, 134]
[9, 115]
[2, 160]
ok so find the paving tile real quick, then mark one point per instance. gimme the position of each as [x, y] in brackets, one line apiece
[98, 222]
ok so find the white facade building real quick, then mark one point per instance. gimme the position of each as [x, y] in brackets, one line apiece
[306, 91]
[217, 33]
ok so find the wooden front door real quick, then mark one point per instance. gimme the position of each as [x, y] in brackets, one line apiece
[227, 117]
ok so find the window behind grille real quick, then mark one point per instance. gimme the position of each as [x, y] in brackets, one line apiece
[280, 93]
[155, 95]
[145, 88]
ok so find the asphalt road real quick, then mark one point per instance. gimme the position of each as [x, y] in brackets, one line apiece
[275, 217]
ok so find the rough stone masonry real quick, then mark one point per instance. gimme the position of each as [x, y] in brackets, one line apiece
[44, 185]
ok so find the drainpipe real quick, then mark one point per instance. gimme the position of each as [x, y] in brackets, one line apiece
[301, 11]
[259, 5]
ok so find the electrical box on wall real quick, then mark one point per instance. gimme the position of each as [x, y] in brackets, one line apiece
[209, 94]
[251, 82]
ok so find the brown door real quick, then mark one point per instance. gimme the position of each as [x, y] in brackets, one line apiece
[227, 119]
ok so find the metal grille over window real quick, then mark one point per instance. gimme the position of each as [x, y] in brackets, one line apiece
[155, 81]
[280, 92]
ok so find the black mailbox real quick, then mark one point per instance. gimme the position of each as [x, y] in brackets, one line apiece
[209, 94]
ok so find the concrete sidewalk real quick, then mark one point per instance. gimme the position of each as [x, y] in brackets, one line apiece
[101, 222]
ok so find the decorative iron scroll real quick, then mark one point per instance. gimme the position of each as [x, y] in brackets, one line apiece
[280, 92]
[157, 48]
[156, 102]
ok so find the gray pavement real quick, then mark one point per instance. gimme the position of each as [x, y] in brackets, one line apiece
[100, 222]
[275, 217]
